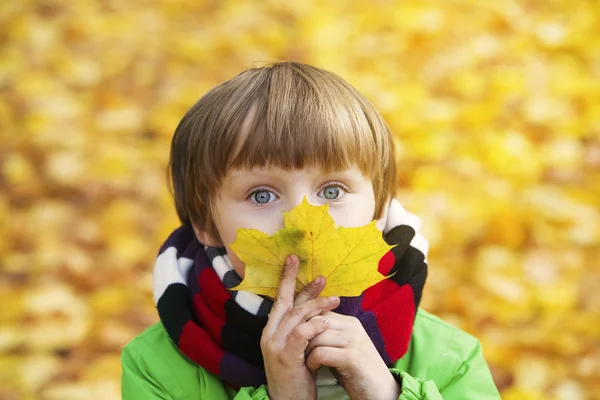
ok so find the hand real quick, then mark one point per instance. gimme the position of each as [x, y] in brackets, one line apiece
[285, 337]
[347, 348]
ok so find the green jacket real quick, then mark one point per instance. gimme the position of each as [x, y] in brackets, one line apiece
[442, 362]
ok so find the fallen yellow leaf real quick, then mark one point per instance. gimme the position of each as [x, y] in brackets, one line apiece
[346, 257]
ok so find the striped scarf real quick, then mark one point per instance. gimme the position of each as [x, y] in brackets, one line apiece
[220, 329]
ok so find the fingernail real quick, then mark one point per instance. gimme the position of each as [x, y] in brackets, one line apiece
[288, 260]
[319, 280]
[333, 299]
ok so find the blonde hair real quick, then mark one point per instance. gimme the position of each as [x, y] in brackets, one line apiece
[286, 114]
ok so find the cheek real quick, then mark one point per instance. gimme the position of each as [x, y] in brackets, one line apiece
[358, 214]
[350, 219]
[267, 221]
[238, 266]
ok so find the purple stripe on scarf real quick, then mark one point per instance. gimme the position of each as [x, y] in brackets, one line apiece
[236, 370]
[200, 263]
[192, 282]
[349, 305]
[179, 238]
[190, 250]
[352, 306]
[368, 321]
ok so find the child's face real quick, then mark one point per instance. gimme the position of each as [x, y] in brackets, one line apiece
[257, 199]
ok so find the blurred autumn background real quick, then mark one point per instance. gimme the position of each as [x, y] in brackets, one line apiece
[496, 107]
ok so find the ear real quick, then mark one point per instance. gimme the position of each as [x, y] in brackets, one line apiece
[206, 239]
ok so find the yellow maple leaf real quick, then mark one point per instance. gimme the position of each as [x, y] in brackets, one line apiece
[346, 257]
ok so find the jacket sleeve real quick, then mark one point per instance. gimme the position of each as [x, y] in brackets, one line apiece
[250, 393]
[471, 381]
[136, 383]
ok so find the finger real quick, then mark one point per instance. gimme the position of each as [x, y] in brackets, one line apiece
[342, 322]
[303, 312]
[287, 284]
[310, 291]
[329, 338]
[285, 295]
[331, 357]
[303, 333]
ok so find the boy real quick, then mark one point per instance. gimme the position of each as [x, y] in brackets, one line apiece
[250, 149]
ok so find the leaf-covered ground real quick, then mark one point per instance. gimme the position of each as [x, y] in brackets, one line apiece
[496, 106]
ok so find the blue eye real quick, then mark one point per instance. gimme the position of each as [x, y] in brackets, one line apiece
[332, 192]
[262, 196]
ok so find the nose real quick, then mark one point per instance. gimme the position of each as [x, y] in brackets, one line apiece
[297, 198]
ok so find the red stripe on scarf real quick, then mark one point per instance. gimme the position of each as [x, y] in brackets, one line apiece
[393, 307]
[212, 289]
[210, 321]
[386, 263]
[395, 314]
[208, 354]
[383, 289]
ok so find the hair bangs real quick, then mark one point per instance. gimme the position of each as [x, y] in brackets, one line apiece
[299, 123]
